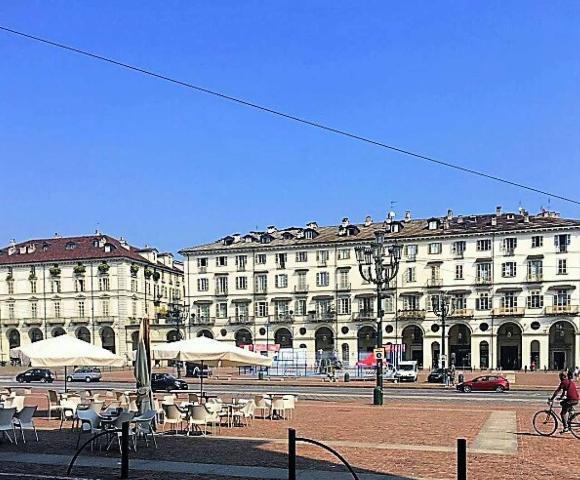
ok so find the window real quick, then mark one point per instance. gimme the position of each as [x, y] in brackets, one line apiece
[203, 311]
[300, 306]
[241, 283]
[483, 301]
[483, 245]
[562, 266]
[509, 245]
[241, 261]
[105, 307]
[435, 272]
[434, 302]
[535, 299]
[301, 281]
[562, 242]
[262, 283]
[221, 310]
[343, 253]
[56, 307]
[411, 251]
[32, 286]
[281, 260]
[343, 306]
[221, 285]
[55, 286]
[134, 308]
[281, 281]
[366, 305]
[202, 284]
[261, 309]
[388, 304]
[535, 269]
[104, 284]
[434, 248]
[260, 259]
[323, 308]
[322, 257]
[301, 257]
[282, 309]
[34, 310]
[410, 275]
[81, 308]
[241, 310]
[458, 272]
[322, 279]
[134, 285]
[458, 248]
[342, 279]
[79, 285]
[509, 300]
[202, 262]
[411, 302]
[309, 234]
[221, 261]
[10, 287]
[562, 298]
[537, 241]
[70, 246]
[458, 302]
[483, 272]
[508, 269]
[11, 311]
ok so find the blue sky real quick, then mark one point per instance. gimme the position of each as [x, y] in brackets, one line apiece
[490, 85]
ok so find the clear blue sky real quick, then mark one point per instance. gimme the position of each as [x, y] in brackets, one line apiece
[490, 85]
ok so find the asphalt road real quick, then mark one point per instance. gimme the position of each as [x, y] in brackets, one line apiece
[323, 392]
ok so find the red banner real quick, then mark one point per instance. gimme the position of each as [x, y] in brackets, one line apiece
[263, 347]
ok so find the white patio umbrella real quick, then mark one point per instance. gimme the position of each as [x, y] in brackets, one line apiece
[210, 352]
[65, 351]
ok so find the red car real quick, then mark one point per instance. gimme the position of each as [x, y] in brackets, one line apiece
[485, 383]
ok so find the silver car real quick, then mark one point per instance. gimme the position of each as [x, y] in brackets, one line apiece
[85, 374]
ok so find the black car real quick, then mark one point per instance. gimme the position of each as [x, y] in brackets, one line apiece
[43, 375]
[166, 382]
[196, 370]
[436, 376]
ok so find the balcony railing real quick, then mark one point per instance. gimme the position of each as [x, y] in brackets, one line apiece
[221, 291]
[241, 268]
[458, 254]
[55, 321]
[202, 269]
[343, 286]
[301, 288]
[202, 321]
[321, 317]
[535, 277]
[322, 263]
[509, 252]
[412, 313]
[104, 319]
[462, 313]
[10, 321]
[562, 310]
[80, 320]
[365, 316]
[411, 257]
[562, 249]
[286, 318]
[434, 282]
[28, 321]
[261, 290]
[483, 280]
[240, 320]
[508, 311]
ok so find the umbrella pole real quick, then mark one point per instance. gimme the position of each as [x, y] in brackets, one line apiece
[65, 382]
[201, 382]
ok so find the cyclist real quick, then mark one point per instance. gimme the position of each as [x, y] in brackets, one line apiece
[569, 390]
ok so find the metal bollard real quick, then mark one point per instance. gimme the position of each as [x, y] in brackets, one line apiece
[291, 454]
[461, 459]
[125, 450]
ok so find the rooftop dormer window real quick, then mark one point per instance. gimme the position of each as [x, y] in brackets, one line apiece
[310, 233]
[433, 223]
[70, 246]
[108, 247]
[267, 238]
[228, 240]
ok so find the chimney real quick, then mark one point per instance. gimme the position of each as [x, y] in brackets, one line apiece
[493, 221]
[459, 219]
[124, 243]
[271, 229]
[237, 237]
[368, 221]
[498, 210]
[312, 225]
[12, 247]
[449, 215]
[526, 216]
[408, 216]
[521, 210]
[446, 224]
[56, 235]
[345, 222]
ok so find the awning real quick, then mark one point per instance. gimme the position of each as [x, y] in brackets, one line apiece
[322, 297]
[509, 289]
[483, 259]
[535, 257]
[202, 302]
[434, 262]
[414, 292]
[459, 291]
[565, 286]
[343, 268]
[281, 299]
[241, 300]
[301, 269]
[365, 295]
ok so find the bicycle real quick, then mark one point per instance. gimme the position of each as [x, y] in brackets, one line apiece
[546, 422]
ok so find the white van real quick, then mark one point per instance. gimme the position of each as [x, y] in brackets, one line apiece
[407, 371]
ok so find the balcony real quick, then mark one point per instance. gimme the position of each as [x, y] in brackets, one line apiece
[221, 292]
[301, 288]
[55, 321]
[562, 310]
[434, 282]
[483, 280]
[508, 311]
[509, 252]
[411, 257]
[416, 314]
[10, 321]
[283, 318]
[462, 313]
[535, 277]
[104, 319]
[201, 269]
[280, 266]
[80, 320]
[458, 254]
[367, 316]
[240, 320]
[343, 287]
[202, 321]
[562, 249]
[321, 317]
[241, 268]
[261, 290]
[322, 263]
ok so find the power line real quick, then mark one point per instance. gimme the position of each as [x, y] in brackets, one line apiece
[288, 116]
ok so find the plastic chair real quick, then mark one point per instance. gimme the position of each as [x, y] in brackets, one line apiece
[263, 404]
[24, 421]
[197, 416]
[53, 403]
[289, 405]
[7, 424]
[144, 427]
[277, 407]
[171, 415]
[90, 423]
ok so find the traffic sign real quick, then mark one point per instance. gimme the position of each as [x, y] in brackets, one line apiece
[379, 353]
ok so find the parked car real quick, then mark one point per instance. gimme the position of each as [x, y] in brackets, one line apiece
[485, 383]
[407, 371]
[166, 382]
[43, 375]
[436, 376]
[85, 374]
[196, 370]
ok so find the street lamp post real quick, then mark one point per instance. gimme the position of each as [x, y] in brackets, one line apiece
[373, 268]
[177, 313]
[442, 309]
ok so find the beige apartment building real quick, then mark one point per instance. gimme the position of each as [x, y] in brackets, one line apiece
[95, 287]
[513, 280]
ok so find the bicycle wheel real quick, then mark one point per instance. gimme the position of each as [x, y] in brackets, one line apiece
[575, 425]
[545, 422]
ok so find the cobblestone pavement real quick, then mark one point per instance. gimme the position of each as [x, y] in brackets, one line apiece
[407, 439]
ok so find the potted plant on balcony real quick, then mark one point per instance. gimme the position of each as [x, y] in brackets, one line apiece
[79, 269]
[148, 273]
[104, 268]
[156, 276]
[54, 270]
[134, 269]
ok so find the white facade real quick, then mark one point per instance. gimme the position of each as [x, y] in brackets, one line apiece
[100, 296]
[514, 280]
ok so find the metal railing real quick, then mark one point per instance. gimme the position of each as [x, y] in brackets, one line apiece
[412, 313]
[434, 282]
[301, 288]
[561, 309]
[508, 311]
[462, 313]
